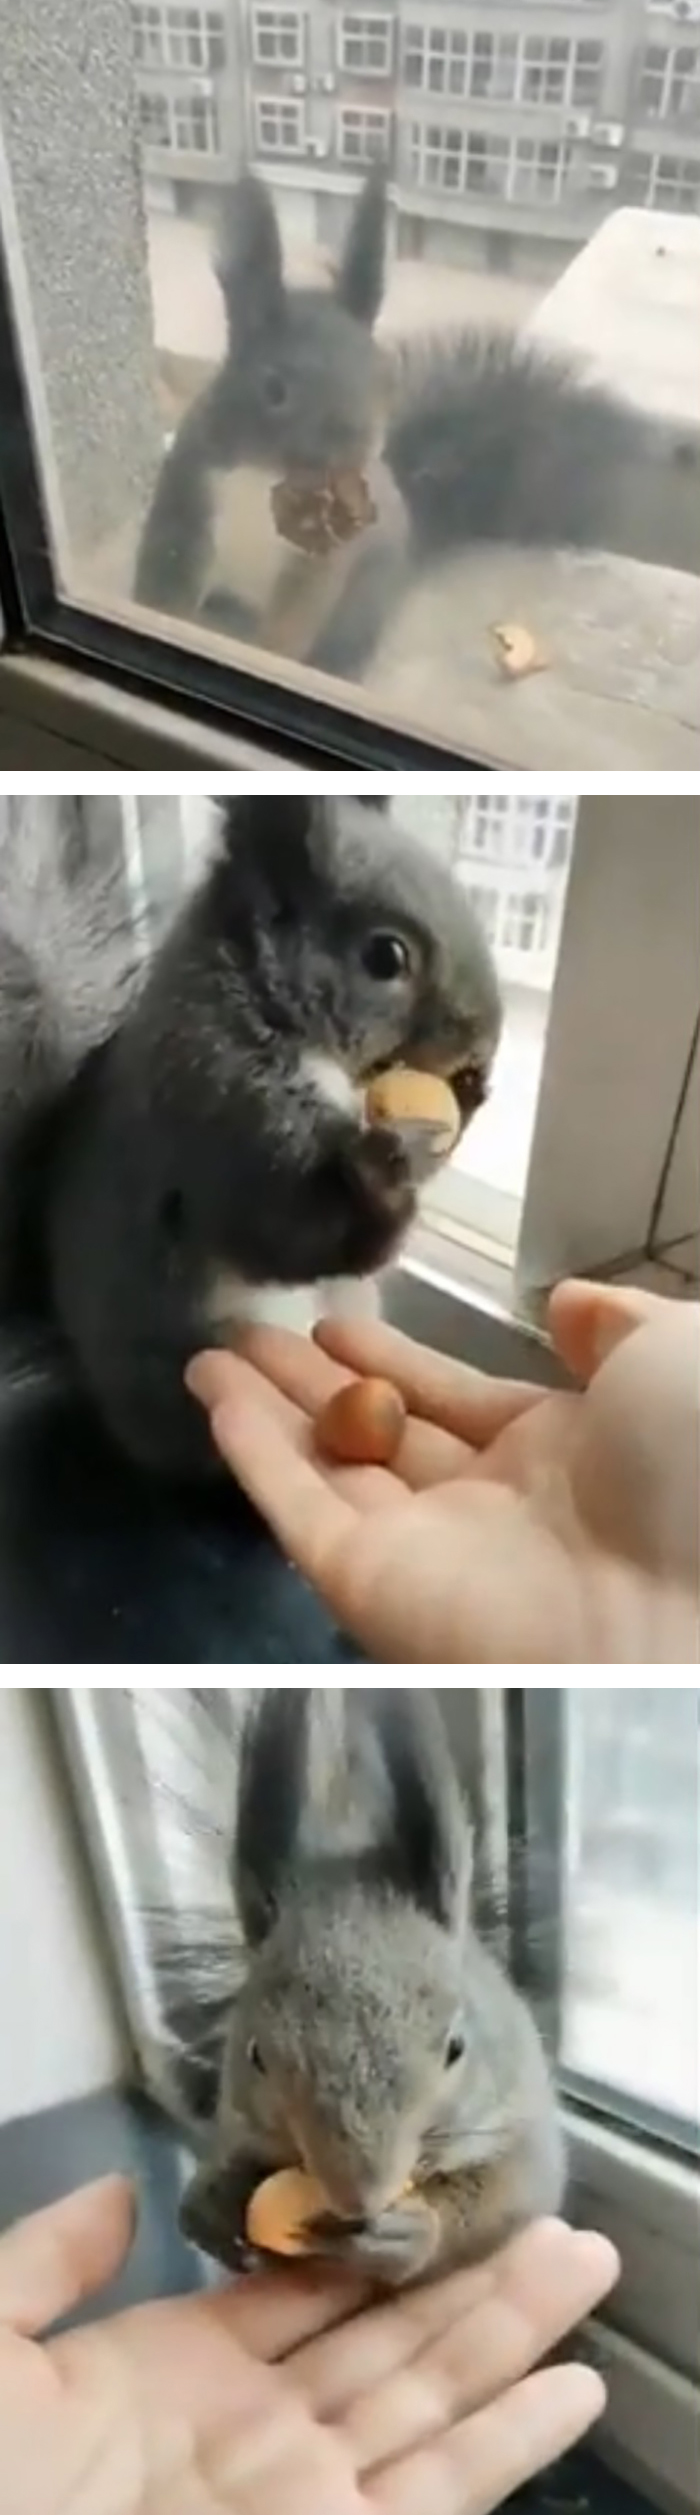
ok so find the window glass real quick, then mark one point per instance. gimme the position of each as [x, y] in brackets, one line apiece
[631, 1971]
[513, 853]
[437, 456]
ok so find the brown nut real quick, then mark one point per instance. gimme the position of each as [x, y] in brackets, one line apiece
[278, 2215]
[362, 1425]
[278, 2218]
[407, 1098]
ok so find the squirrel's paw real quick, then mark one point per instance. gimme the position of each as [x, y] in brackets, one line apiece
[394, 2248]
[382, 1192]
[213, 2212]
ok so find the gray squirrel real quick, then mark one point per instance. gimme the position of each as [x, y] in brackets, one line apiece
[374, 2039]
[467, 437]
[181, 1135]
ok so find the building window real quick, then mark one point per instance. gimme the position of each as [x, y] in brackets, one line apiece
[544, 71]
[494, 67]
[446, 160]
[525, 921]
[436, 58]
[538, 169]
[366, 46]
[195, 39]
[536, 70]
[154, 121]
[196, 125]
[179, 39]
[363, 134]
[486, 905]
[149, 38]
[669, 83]
[187, 123]
[662, 183]
[278, 38]
[279, 128]
[557, 73]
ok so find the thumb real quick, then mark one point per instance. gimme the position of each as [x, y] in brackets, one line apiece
[588, 1321]
[50, 2262]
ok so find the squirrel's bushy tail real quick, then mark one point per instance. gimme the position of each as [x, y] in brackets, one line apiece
[69, 962]
[494, 440]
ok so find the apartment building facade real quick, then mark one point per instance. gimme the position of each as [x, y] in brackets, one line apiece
[509, 127]
[513, 854]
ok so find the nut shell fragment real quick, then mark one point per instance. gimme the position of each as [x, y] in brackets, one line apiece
[517, 651]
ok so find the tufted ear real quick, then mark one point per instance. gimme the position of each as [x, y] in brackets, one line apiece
[360, 281]
[271, 1784]
[425, 1852]
[248, 258]
[275, 843]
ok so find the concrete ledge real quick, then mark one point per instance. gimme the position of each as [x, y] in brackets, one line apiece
[622, 685]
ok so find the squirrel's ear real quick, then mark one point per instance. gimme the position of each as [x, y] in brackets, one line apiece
[360, 282]
[271, 1778]
[274, 844]
[248, 258]
[427, 1847]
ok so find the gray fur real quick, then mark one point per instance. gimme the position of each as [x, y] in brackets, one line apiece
[337, 2051]
[188, 1135]
[70, 964]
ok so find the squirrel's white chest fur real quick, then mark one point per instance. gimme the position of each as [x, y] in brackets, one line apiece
[246, 552]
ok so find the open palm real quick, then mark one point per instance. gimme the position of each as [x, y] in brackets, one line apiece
[268, 2396]
[515, 1525]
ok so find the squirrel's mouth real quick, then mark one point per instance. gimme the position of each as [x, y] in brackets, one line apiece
[469, 1077]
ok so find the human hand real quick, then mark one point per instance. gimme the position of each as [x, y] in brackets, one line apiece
[266, 2395]
[515, 1525]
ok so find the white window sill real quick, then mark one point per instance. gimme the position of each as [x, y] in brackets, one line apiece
[648, 2203]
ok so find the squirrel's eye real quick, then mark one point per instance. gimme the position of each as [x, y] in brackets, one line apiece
[386, 956]
[275, 389]
[254, 2056]
[455, 2051]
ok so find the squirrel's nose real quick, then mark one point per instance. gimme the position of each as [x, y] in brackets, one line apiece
[357, 2192]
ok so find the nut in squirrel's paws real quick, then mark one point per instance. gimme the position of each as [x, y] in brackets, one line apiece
[280, 2216]
[277, 2217]
[317, 514]
[421, 1106]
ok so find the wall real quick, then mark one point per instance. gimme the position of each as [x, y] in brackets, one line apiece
[62, 2032]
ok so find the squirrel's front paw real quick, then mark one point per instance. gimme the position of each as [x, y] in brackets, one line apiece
[382, 1196]
[213, 2212]
[394, 2248]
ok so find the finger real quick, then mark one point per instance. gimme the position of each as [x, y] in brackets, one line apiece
[277, 2313]
[311, 1520]
[234, 1382]
[50, 2262]
[588, 1321]
[467, 1403]
[472, 2468]
[547, 2289]
[397, 2373]
[426, 1455]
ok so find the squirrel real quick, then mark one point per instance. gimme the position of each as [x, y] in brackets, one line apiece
[374, 2038]
[465, 437]
[183, 1135]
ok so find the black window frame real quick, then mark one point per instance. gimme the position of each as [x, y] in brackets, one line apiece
[297, 728]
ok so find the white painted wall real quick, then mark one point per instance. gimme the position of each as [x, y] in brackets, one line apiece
[61, 2030]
